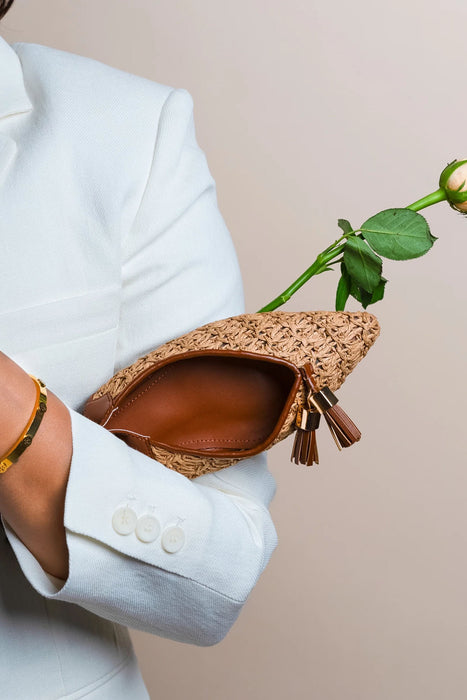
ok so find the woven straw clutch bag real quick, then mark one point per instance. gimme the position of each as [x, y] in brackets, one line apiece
[237, 386]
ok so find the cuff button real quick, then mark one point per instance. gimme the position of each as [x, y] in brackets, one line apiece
[124, 520]
[147, 528]
[173, 539]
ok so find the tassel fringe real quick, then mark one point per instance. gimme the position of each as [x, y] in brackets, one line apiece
[305, 447]
[342, 428]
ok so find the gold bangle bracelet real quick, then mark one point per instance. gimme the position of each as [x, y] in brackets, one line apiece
[31, 428]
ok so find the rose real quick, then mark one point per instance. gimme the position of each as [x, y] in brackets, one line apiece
[453, 182]
[396, 234]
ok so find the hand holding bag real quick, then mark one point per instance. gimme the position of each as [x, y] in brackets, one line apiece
[235, 387]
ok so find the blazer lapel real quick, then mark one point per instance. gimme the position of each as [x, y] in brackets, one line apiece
[14, 101]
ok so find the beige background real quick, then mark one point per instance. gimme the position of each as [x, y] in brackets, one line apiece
[309, 112]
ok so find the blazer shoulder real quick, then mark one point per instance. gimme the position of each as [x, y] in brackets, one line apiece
[62, 80]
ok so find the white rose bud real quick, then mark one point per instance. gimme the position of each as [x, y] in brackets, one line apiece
[453, 180]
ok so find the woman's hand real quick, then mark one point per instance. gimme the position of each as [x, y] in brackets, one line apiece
[32, 490]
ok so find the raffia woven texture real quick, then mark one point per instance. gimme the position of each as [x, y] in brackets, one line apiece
[333, 341]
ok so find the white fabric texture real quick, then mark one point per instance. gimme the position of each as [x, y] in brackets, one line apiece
[112, 244]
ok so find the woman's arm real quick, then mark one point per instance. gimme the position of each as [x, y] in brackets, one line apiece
[179, 270]
[32, 490]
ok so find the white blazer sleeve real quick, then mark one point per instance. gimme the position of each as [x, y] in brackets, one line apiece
[179, 271]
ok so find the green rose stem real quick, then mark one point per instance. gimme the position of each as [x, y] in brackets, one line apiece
[321, 264]
[433, 198]
[330, 256]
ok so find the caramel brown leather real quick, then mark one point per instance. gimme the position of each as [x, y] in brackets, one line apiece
[97, 409]
[211, 402]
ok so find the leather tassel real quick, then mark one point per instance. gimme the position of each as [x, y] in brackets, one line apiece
[309, 454]
[305, 447]
[342, 428]
[297, 446]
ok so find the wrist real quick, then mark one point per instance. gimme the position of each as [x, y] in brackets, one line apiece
[17, 403]
[26, 436]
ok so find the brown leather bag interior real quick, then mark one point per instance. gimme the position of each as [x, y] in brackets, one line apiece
[208, 403]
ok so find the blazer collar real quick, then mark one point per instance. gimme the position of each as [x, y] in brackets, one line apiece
[13, 96]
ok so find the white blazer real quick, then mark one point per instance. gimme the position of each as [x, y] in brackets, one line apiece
[112, 243]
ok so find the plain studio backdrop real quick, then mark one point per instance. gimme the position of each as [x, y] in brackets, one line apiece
[307, 112]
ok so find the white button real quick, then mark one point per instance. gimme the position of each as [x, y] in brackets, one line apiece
[173, 539]
[147, 528]
[124, 520]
